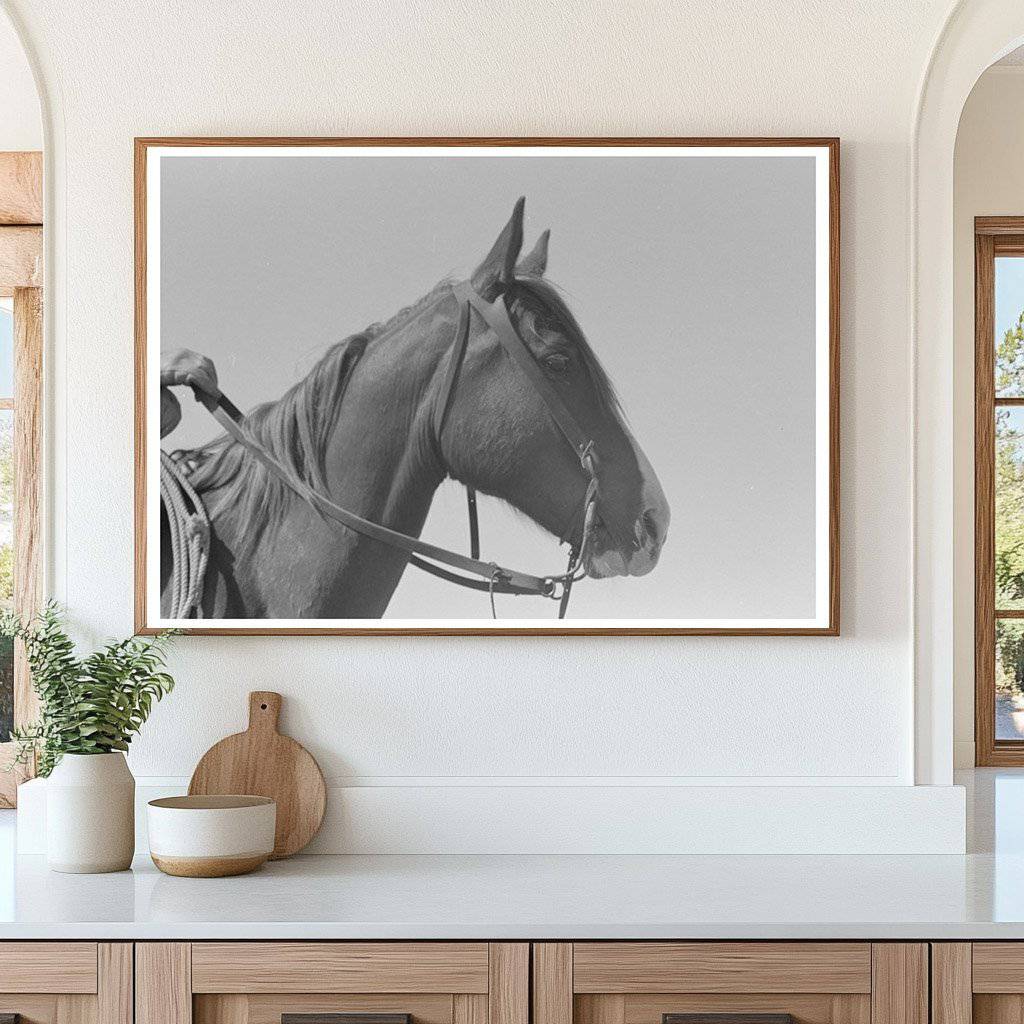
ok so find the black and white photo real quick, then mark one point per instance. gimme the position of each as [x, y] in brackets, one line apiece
[534, 387]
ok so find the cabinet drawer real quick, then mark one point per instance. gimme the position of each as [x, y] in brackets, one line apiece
[340, 967]
[68, 967]
[66, 982]
[748, 982]
[998, 967]
[721, 967]
[332, 983]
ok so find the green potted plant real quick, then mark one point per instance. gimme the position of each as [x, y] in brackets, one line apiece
[90, 708]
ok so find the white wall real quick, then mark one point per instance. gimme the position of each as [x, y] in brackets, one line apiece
[20, 123]
[988, 180]
[472, 712]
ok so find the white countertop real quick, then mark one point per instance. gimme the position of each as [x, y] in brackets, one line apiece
[489, 897]
[977, 896]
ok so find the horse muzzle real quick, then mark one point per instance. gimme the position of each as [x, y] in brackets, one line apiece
[637, 558]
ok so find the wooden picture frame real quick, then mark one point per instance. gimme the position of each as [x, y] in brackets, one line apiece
[826, 622]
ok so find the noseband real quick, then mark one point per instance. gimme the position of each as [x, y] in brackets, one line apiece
[493, 578]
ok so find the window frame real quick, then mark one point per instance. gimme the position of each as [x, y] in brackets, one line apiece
[993, 237]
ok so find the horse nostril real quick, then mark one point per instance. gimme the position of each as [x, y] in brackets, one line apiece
[646, 529]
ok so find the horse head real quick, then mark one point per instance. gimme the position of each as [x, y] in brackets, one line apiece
[501, 438]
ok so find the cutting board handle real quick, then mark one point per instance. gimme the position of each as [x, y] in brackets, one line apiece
[264, 710]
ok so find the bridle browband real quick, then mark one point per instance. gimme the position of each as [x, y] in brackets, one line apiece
[494, 578]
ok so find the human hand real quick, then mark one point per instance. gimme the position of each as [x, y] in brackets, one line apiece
[183, 366]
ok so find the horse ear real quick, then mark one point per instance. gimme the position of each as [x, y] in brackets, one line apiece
[498, 269]
[536, 261]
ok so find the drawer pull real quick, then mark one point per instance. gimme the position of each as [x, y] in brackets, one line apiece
[727, 1018]
[341, 1018]
[9, 1018]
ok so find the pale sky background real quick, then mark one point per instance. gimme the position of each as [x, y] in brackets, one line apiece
[692, 277]
[6, 348]
[1009, 298]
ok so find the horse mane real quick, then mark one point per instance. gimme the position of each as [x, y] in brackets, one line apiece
[295, 429]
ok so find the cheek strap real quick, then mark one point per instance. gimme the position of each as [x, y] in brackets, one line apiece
[456, 357]
[496, 316]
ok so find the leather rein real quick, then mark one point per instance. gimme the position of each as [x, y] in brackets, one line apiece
[493, 578]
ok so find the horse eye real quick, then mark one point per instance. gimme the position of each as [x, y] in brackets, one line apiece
[556, 362]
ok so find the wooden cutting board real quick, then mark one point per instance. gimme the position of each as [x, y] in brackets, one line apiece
[262, 762]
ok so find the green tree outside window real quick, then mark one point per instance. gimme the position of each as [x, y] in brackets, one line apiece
[1009, 511]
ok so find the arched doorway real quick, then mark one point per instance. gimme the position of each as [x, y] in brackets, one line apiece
[976, 34]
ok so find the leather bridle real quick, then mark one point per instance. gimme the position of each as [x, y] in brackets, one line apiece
[493, 578]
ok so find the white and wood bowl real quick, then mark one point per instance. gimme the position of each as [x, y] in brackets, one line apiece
[211, 836]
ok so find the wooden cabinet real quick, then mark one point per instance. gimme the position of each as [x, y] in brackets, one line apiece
[980, 982]
[307, 982]
[654, 982]
[496, 983]
[66, 982]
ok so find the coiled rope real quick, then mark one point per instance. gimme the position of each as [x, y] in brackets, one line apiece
[190, 539]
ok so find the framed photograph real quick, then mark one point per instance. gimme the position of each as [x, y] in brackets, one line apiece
[487, 386]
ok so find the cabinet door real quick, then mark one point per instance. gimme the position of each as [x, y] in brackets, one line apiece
[977, 981]
[730, 983]
[332, 983]
[65, 982]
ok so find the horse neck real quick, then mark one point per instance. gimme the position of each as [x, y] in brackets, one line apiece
[382, 459]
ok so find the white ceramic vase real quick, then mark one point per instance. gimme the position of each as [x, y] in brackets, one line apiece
[90, 814]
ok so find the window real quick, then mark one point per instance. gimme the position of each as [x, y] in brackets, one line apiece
[6, 507]
[21, 348]
[20, 442]
[999, 491]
